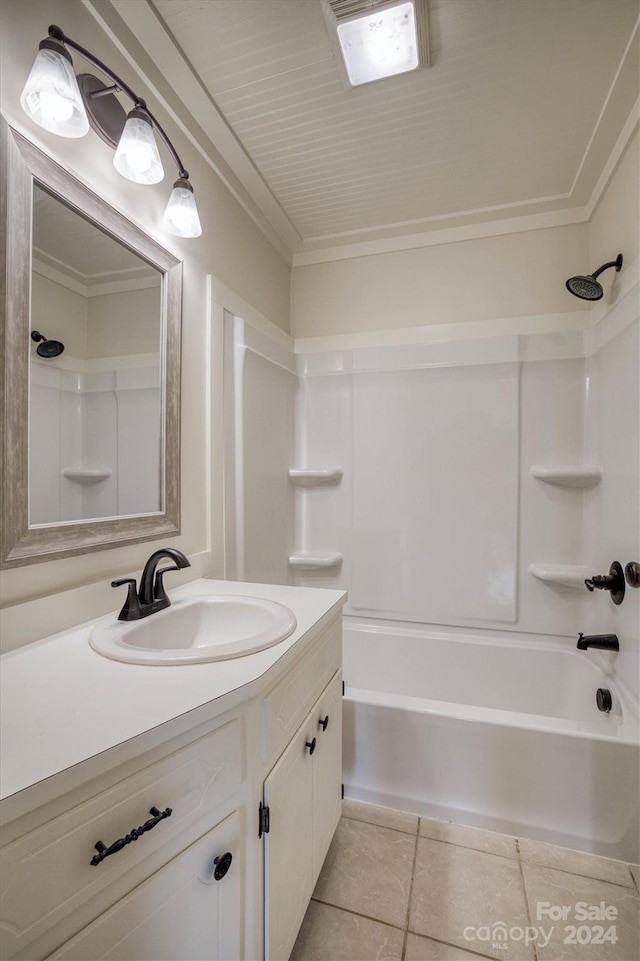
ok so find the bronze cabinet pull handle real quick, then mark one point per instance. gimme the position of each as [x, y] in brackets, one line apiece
[134, 834]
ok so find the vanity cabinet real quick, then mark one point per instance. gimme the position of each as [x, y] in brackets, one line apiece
[303, 794]
[50, 888]
[157, 896]
[190, 909]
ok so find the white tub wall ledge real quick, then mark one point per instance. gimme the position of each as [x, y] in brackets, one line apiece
[562, 575]
[579, 476]
[496, 734]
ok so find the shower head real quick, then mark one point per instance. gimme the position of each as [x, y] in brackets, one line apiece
[46, 348]
[588, 288]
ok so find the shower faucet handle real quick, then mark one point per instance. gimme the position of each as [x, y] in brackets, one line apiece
[632, 573]
[613, 581]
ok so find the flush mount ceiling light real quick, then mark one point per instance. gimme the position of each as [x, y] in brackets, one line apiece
[65, 105]
[375, 39]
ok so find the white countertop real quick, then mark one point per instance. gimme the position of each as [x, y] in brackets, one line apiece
[61, 703]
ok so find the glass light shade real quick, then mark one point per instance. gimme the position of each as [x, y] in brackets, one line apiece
[181, 216]
[51, 96]
[137, 157]
[380, 44]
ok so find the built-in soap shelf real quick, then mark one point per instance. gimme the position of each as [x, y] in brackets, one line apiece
[577, 475]
[86, 476]
[315, 560]
[315, 476]
[566, 575]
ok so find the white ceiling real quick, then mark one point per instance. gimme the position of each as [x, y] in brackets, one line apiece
[517, 113]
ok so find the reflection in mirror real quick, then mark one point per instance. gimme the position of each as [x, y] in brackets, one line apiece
[95, 404]
[90, 439]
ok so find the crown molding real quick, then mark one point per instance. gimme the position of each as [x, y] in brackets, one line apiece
[626, 135]
[60, 273]
[447, 235]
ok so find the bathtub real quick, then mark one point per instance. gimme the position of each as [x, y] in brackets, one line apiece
[503, 734]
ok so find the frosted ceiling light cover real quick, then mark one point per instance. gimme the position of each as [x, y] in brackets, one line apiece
[181, 216]
[380, 44]
[51, 96]
[137, 157]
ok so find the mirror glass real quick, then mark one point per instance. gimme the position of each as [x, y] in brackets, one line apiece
[95, 372]
[90, 355]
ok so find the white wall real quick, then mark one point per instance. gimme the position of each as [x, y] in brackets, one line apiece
[260, 401]
[480, 280]
[124, 323]
[59, 314]
[232, 248]
[614, 223]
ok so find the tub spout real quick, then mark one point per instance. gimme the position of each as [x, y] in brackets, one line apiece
[605, 642]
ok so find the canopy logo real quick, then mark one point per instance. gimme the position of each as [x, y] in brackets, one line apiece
[499, 934]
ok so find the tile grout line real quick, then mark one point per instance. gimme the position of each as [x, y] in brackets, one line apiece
[358, 914]
[537, 864]
[466, 847]
[349, 817]
[413, 871]
[450, 944]
[526, 895]
[576, 874]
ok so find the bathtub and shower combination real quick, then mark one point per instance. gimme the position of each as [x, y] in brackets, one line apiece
[502, 734]
[436, 443]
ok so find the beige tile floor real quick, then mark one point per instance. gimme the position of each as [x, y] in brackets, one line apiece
[395, 887]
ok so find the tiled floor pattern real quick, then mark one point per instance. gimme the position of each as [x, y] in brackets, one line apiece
[395, 887]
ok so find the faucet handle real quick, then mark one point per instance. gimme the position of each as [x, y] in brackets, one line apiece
[131, 607]
[159, 592]
[632, 573]
[613, 581]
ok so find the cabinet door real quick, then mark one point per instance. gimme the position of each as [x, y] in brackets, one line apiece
[327, 770]
[181, 913]
[288, 791]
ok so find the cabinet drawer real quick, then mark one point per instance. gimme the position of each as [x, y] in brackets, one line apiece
[180, 913]
[291, 699]
[47, 874]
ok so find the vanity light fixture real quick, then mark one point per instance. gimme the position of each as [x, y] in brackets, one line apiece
[378, 38]
[67, 105]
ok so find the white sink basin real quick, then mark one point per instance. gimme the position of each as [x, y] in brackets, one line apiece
[196, 629]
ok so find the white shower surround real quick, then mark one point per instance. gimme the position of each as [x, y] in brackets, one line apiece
[101, 416]
[559, 771]
[498, 732]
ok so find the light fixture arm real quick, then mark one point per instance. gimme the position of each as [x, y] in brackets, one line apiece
[119, 85]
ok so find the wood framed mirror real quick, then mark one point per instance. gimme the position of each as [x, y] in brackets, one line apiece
[90, 359]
